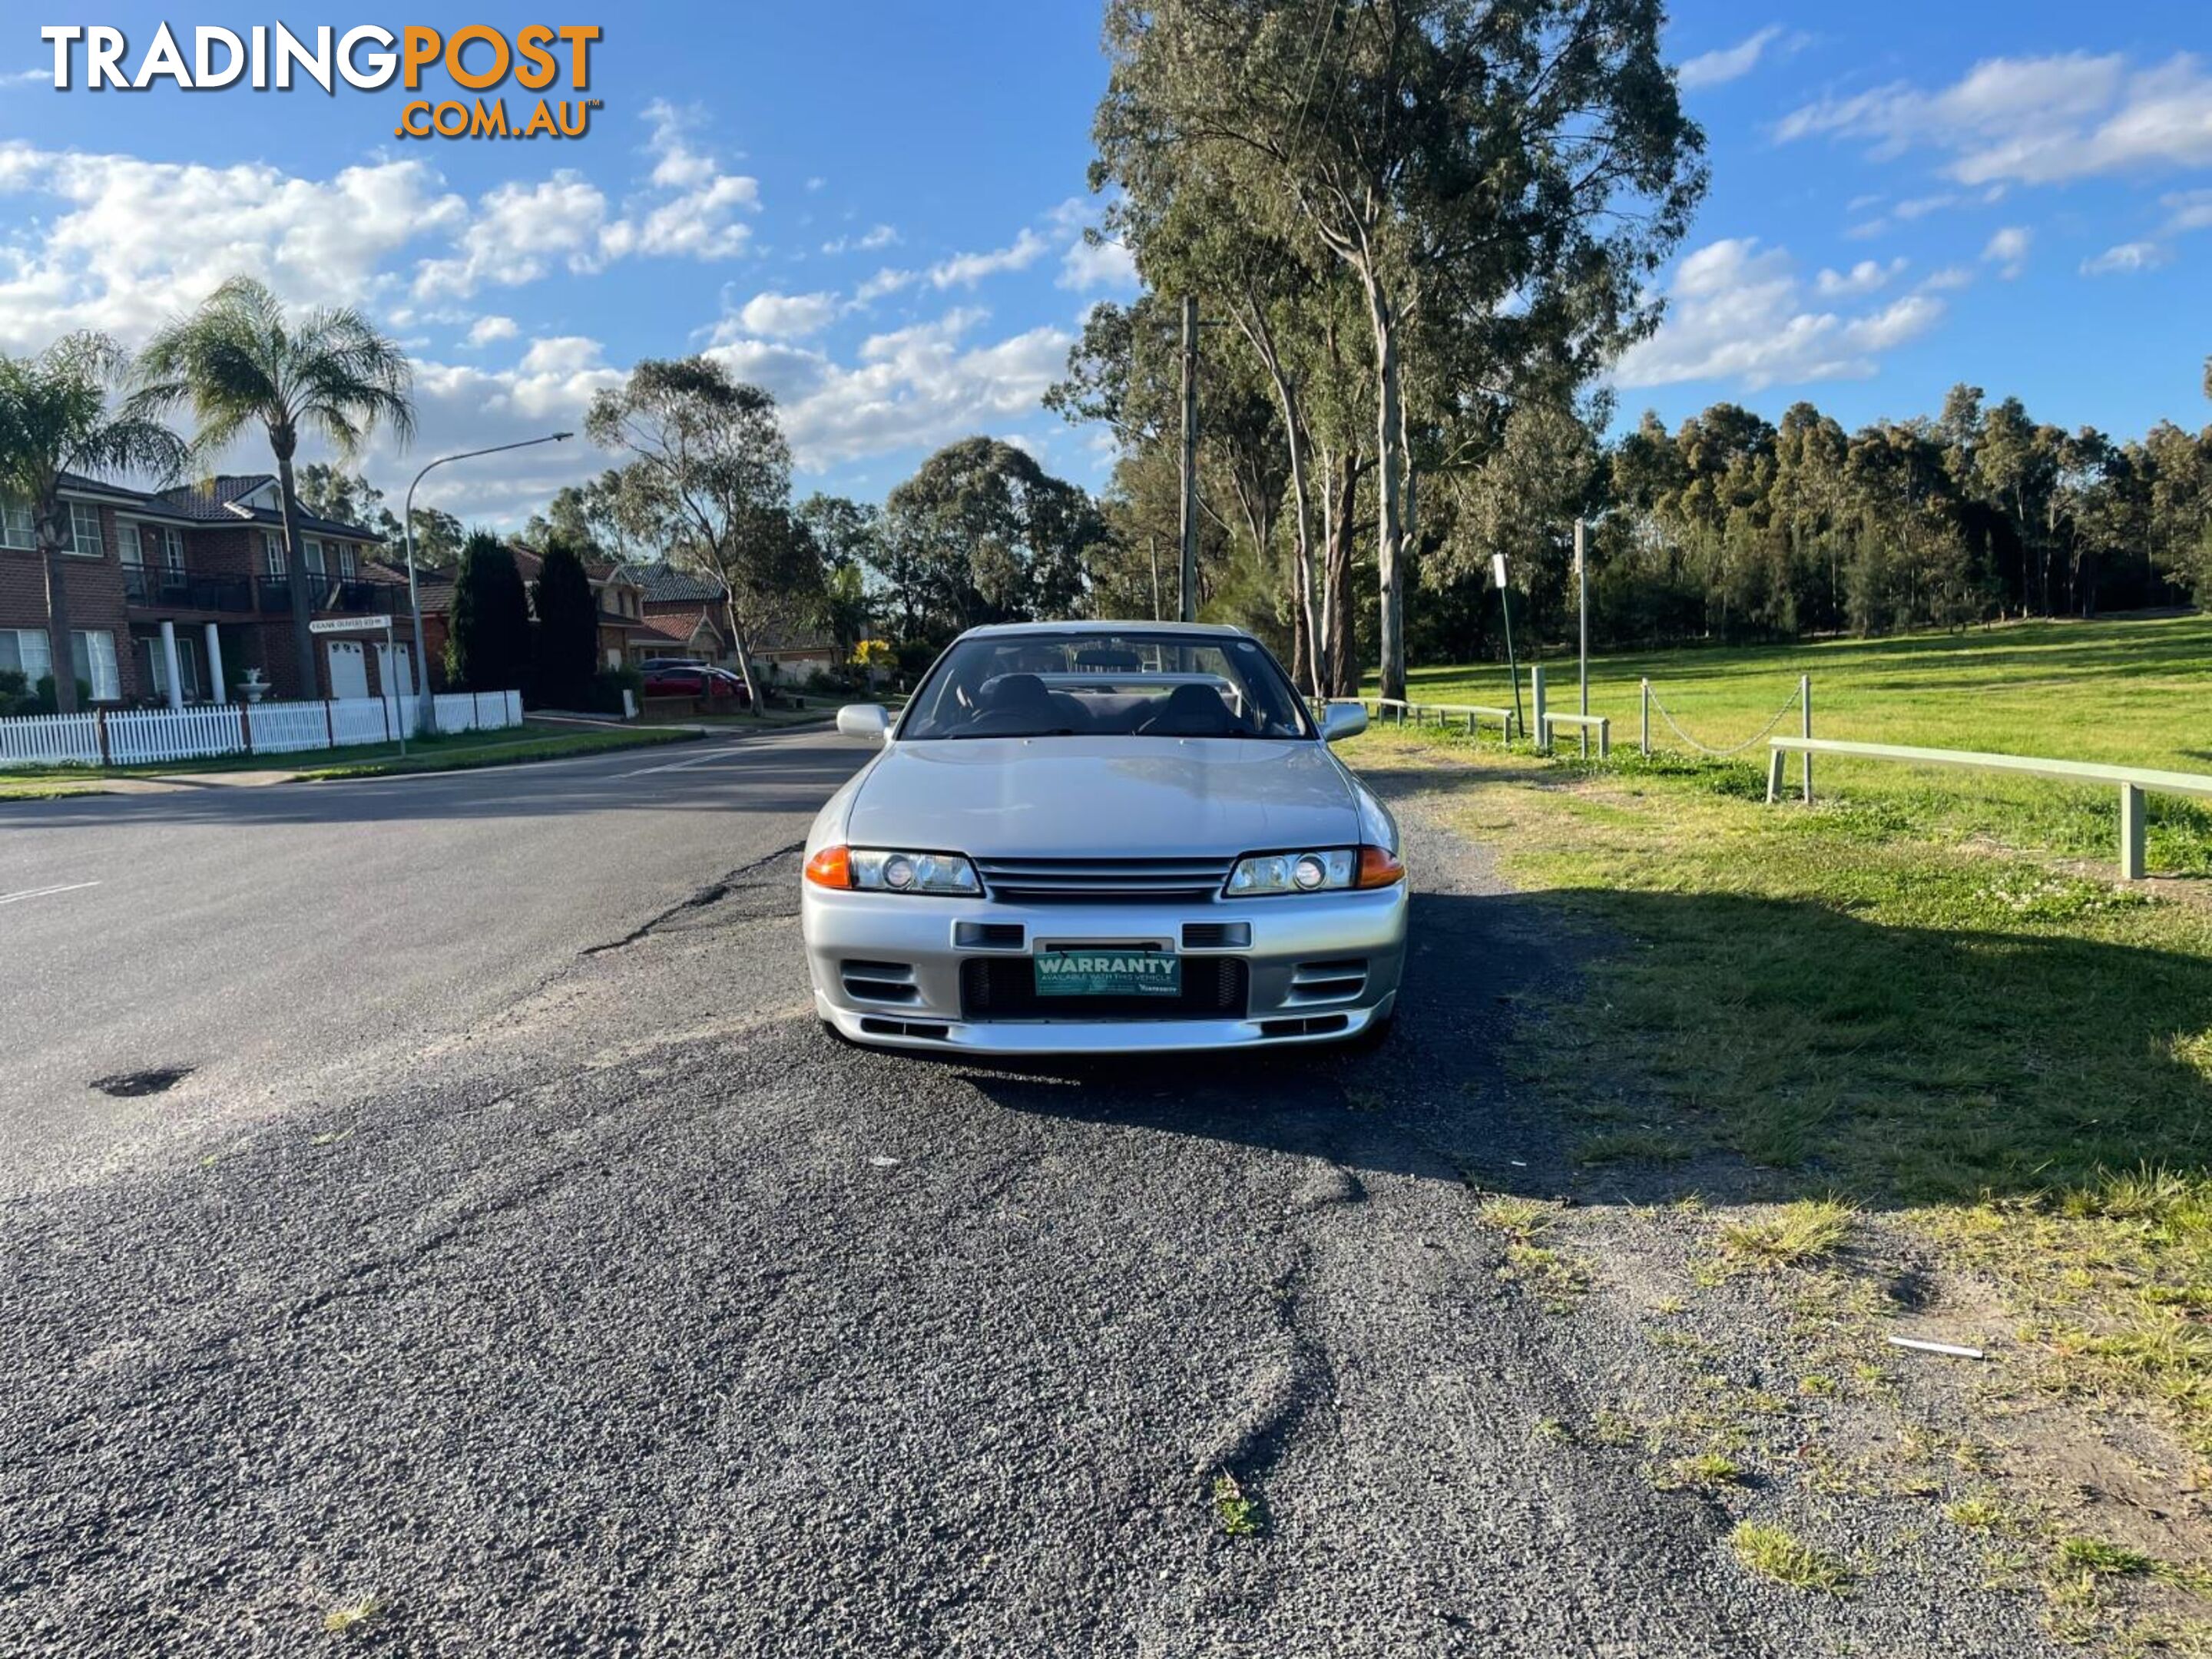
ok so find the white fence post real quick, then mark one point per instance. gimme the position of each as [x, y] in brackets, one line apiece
[1536, 704]
[1805, 721]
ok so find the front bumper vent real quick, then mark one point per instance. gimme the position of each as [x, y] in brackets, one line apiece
[1217, 935]
[879, 981]
[1326, 982]
[989, 935]
[1004, 987]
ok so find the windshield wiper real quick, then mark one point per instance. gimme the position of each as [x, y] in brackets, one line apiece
[1055, 732]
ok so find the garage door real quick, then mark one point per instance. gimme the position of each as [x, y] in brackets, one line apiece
[349, 669]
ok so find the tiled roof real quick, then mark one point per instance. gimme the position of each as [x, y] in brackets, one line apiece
[664, 584]
[221, 500]
[687, 624]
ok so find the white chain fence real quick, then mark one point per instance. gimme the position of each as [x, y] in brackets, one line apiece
[1795, 700]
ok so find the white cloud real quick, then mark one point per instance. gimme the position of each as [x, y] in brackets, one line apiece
[1089, 265]
[2033, 120]
[1950, 278]
[1920, 206]
[1864, 277]
[699, 220]
[815, 184]
[1738, 313]
[912, 387]
[2191, 210]
[2008, 251]
[879, 236]
[2127, 259]
[1713, 68]
[517, 235]
[966, 270]
[785, 316]
[113, 242]
[485, 329]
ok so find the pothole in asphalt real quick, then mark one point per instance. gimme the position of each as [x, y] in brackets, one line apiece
[154, 1080]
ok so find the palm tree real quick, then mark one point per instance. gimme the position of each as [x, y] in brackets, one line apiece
[239, 359]
[54, 419]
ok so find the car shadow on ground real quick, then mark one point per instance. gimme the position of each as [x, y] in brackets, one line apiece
[1774, 1049]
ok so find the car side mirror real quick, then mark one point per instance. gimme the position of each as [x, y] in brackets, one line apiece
[1341, 720]
[870, 722]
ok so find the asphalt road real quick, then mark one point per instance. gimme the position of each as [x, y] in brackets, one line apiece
[598, 1303]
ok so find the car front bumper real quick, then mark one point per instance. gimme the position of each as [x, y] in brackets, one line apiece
[1285, 1001]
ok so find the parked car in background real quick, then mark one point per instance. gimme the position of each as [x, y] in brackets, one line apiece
[1104, 838]
[711, 685]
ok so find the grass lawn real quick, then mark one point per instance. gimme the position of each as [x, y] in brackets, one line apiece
[507, 746]
[2011, 1055]
[2129, 692]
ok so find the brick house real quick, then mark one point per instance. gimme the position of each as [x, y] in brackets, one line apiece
[175, 595]
[689, 608]
[623, 620]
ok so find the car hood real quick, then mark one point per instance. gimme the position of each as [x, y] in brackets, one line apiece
[1103, 797]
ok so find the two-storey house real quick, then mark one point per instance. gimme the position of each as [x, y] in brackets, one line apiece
[175, 595]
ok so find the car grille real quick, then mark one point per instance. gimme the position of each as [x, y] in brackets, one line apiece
[1004, 987]
[1103, 881]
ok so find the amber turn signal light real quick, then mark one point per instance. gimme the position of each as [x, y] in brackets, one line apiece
[830, 868]
[1379, 867]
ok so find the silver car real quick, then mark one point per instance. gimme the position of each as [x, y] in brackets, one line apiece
[1103, 838]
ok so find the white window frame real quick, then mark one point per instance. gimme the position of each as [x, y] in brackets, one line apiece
[19, 526]
[172, 550]
[107, 688]
[313, 556]
[272, 554]
[81, 514]
[349, 560]
[30, 641]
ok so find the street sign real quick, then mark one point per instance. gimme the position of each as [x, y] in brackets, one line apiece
[349, 624]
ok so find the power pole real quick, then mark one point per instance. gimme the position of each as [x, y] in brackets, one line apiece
[1190, 459]
[1152, 544]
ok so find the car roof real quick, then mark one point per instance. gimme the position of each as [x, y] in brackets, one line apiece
[1201, 630]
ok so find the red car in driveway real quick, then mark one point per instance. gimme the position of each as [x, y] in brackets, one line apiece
[709, 685]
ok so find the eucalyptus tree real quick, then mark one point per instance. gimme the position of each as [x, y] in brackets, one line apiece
[241, 361]
[709, 477]
[55, 419]
[1512, 172]
[982, 533]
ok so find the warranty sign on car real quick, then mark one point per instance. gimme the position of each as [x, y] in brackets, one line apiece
[1108, 974]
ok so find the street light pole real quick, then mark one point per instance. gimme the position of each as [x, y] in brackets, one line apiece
[407, 529]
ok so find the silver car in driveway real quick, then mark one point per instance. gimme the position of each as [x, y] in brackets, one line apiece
[1103, 838]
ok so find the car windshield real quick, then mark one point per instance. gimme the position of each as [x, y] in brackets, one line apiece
[1106, 685]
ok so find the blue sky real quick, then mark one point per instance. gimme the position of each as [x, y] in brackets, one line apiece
[875, 209]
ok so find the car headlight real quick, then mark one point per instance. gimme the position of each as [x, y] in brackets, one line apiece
[890, 870]
[1318, 872]
[1324, 870]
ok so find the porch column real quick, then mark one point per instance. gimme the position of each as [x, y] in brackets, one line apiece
[169, 657]
[218, 691]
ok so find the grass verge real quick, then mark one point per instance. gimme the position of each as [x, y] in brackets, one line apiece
[2013, 1058]
[458, 754]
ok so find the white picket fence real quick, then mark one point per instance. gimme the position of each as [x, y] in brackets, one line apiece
[140, 737]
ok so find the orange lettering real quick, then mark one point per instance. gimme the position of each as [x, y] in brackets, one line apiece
[459, 40]
[418, 47]
[580, 37]
[537, 67]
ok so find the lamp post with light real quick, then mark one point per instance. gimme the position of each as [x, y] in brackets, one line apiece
[407, 524]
